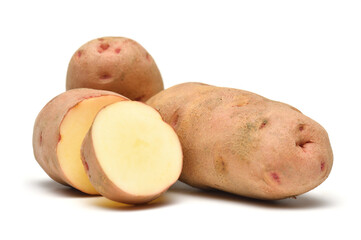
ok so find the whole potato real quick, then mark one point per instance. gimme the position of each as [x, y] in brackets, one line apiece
[242, 143]
[116, 64]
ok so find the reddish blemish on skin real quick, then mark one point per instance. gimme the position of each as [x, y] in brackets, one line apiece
[147, 56]
[91, 96]
[80, 52]
[139, 98]
[103, 47]
[86, 166]
[41, 138]
[263, 124]
[117, 50]
[322, 166]
[59, 138]
[105, 76]
[174, 120]
[238, 105]
[276, 177]
[301, 127]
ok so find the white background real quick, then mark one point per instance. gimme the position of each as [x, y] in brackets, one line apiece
[305, 53]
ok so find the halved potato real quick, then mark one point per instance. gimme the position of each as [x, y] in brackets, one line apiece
[60, 129]
[131, 154]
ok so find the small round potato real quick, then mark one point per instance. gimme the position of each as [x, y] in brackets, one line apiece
[116, 64]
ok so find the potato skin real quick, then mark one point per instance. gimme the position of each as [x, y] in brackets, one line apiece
[46, 134]
[100, 180]
[242, 143]
[116, 64]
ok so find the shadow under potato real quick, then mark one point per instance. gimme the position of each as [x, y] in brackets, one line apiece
[305, 201]
[97, 200]
[105, 203]
[59, 189]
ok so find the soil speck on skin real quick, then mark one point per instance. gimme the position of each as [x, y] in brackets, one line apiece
[242, 103]
[220, 165]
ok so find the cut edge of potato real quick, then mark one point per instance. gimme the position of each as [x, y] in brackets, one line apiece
[73, 129]
[136, 150]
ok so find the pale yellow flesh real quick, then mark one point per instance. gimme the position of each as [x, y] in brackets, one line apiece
[73, 129]
[138, 152]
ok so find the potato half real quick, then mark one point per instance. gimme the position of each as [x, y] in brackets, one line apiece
[116, 64]
[60, 129]
[131, 154]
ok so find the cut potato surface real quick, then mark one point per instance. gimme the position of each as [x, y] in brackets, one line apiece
[135, 150]
[73, 129]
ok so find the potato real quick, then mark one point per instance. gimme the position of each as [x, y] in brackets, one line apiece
[131, 154]
[242, 143]
[59, 131]
[116, 64]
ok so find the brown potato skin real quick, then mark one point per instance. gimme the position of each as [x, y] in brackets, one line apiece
[100, 180]
[46, 134]
[116, 64]
[243, 143]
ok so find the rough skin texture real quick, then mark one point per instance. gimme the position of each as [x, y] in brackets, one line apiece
[116, 64]
[242, 143]
[46, 134]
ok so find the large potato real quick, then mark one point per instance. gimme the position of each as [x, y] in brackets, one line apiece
[116, 64]
[242, 143]
[60, 129]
